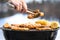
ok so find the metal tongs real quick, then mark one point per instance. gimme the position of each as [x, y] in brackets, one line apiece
[30, 13]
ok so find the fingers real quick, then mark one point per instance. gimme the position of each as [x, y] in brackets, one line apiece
[24, 9]
[20, 5]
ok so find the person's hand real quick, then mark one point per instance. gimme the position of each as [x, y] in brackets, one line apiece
[20, 5]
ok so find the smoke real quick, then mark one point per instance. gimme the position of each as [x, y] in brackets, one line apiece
[21, 18]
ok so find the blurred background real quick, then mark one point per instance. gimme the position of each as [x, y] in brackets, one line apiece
[51, 8]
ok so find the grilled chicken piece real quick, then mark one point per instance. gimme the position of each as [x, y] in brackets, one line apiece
[18, 28]
[42, 22]
[54, 24]
[17, 25]
[6, 25]
[24, 29]
[43, 28]
[36, 13]
[14, 28]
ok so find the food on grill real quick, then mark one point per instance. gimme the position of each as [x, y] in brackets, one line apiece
[7, 25]
[43, 28]
[36, 13]
[54, 24]
[38, 25]
[18, 28]
[30, 26]
[42, 22]
[14, 28]
[16, 25]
